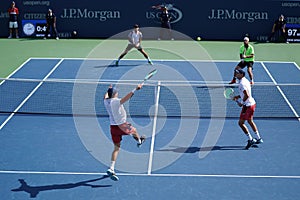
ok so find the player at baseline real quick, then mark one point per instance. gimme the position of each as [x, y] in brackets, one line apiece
[135, 39]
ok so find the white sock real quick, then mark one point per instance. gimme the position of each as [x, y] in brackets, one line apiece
[257, 135]
[249, 136]
[112, 165]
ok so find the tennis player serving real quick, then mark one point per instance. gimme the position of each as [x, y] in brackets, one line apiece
[248, 105]
[118, 124]
[135, 39]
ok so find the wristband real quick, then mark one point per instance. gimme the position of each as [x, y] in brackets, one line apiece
[133, 90]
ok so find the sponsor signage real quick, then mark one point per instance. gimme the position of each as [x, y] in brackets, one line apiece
[216, 20]
[34, 28]
[155, 12]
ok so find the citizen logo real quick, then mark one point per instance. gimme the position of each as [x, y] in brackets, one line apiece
[293, 20]
[34, 16]
[225, 14]
[77, 13]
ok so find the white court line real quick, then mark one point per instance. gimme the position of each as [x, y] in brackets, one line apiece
[281, 92]
[154, 130]
[15, 71]
[283, 62]
[154, 175]
[31, 93]
[296, 65]
[159, 60]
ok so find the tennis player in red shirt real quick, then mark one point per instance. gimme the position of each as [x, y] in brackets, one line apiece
[13, 12]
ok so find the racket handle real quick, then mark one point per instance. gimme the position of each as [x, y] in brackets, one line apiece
[237, 101]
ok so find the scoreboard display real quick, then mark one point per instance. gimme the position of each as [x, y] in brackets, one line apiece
[34, 28]
[293, 32]
[40, 29]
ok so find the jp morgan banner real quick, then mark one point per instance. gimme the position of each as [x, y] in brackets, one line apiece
[212, 20]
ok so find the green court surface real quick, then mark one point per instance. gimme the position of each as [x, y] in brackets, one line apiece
[14, 52]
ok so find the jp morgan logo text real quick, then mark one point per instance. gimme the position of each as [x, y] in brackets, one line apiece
[225, 14]
[102, 15]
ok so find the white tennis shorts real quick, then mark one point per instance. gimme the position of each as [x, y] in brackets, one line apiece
[13, 24]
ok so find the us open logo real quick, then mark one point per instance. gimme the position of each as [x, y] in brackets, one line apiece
[175, 14]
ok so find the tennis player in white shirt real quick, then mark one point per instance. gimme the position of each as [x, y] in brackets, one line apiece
[118, 124]
[248, 105]
[135, 38]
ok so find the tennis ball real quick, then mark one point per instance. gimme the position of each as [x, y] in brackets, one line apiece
[198, 38]
[74, 34]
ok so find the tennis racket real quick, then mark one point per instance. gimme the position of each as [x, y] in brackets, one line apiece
[149, 75]
[229, 94]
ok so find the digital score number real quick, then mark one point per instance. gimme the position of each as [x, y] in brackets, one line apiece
[293, 32]
[40, 29]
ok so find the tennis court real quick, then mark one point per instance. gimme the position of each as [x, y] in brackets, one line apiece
[56, 143]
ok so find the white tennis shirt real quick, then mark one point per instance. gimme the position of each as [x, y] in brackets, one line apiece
[116, 111]
[244, 84]
[135, 37]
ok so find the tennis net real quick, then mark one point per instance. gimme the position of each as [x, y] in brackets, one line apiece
[175, 99]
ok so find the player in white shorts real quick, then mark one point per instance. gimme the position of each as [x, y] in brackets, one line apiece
[13, 12]
[135, 39]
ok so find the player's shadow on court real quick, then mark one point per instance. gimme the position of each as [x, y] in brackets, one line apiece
[113, 65]
[197, 149]
[33, 191]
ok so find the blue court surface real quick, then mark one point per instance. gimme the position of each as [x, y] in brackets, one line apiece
[55, 140]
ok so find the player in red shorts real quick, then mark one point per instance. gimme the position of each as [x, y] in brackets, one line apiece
[118, 124]
[248, 105]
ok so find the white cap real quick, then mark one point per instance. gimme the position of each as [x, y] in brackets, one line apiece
[246, 38]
